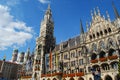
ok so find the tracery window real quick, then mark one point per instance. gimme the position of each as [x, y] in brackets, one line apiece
[102, 45]
[110, 43]
[118, 40]
[94, 47]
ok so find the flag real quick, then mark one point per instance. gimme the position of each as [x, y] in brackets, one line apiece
[50, 60]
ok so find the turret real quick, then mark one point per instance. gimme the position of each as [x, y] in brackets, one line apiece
[81, 28]
[21, 57]
[15, 55]
[108, 17]
[87, 26]
[98, 11]
[115, 11]
[92, 14]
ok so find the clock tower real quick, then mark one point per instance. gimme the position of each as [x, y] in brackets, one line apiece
[44, 43]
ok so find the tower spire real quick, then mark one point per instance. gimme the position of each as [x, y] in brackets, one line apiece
[108, 17]
[48, 6]
[98, 11]
[81, 28]
[87, 26]
[94, 12]
[115, 10]
[91, 14]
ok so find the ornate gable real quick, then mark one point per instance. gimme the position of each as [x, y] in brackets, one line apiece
[100, 27]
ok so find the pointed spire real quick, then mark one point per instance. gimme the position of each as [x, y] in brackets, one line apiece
[98, 11]
[103, 17]
[92, 14]
[108, 17]
[48, 6]
[115, 10]
[87, 26]
[48, 11]
[90, 23]
[81, 28]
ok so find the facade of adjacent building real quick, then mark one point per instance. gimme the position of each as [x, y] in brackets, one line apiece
[94, 52]
[9, 70]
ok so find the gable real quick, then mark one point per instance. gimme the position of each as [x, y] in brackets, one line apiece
[99, 27]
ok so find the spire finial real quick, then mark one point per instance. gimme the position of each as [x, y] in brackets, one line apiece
[81, 27]
[98, 11]
[87, 26]
[115, 10]
[90, 23]
[103, 16]
[92, 14]
[108, 17]
[48, 6]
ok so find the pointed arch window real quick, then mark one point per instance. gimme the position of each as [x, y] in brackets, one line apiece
[105, 31]
[109, 30]
[102, 45]
[101, 33]
[110, 43]
[98, 34]
[118, 40]
[94, 47]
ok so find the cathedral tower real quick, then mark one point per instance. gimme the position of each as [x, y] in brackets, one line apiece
[14, 55]
[27, 54]
[44, 43]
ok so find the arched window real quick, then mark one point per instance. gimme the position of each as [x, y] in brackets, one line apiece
[118, 40]
[94, 47]
[90, 37]
[98, 34]
[102, 45]
[101, 33]
[93, 35]
[110, 43]
[109, 30]
[105, 31]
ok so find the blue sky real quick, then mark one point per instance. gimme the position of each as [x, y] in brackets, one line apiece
[20, 20]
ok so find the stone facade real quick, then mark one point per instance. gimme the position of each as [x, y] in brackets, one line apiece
[94, 52]
[9, 70]
[74, 59]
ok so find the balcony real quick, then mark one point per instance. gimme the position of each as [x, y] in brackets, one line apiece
[74, 74]
[94, 61]
[80, 74]
[65, 75]
[103, 59]
[48, 75]
[71, 75]
[25, 77]
[112, 57]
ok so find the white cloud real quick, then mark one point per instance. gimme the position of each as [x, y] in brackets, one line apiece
[44, 1]
[12, 2]
[12, 32]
